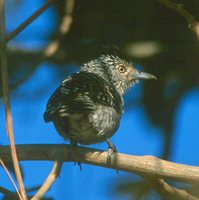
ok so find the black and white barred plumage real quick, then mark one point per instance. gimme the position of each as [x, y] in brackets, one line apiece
[88, 106]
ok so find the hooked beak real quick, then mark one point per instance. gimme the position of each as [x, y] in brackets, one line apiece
[143, 75]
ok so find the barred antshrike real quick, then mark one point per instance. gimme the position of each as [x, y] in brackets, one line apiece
[88, 106]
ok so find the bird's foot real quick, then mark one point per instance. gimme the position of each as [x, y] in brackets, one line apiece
[74, 144]
[80, 165]
[111, 150]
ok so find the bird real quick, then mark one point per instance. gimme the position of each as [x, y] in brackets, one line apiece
[88, 105]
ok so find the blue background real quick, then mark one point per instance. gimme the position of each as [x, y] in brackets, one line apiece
[136, 134]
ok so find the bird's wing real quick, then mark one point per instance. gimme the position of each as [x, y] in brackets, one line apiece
[81, 93]
[70, 97]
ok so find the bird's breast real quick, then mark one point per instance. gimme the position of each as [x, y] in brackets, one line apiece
[94, 127]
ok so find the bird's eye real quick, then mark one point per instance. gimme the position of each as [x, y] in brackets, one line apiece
[122, 68]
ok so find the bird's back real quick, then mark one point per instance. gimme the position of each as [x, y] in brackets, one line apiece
[85, 106]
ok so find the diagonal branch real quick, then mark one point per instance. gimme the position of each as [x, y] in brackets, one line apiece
[49, 181]
[63, 30]
[193, 24]
[168, 191]
[8, 193]
[29, 20]
[6, 95]
[10, 177]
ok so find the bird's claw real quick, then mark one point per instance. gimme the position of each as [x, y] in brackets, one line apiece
[74, 144]
[111, 150]
[80, 165]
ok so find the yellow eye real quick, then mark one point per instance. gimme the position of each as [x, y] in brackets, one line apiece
[122, 68]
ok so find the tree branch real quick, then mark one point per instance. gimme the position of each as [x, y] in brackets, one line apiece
[63, 29]
[147, 166]
[6, 95]
[8, 193]
[193, 24]
[11, 179]
[170, 192]
[49, 181]
[29, 20]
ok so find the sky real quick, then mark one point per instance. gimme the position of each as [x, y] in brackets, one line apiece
[136, 135]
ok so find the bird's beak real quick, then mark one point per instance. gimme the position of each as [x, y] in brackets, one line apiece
[143, 75]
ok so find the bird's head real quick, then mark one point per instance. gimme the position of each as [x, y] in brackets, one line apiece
[116, 70]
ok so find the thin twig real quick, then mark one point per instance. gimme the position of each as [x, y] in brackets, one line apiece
[8, 193]
[170, 192]
[63, 30]
[49, 181]
[10, 177]
[193, 24]
[29, 20]
[143, 165]
[6, 96]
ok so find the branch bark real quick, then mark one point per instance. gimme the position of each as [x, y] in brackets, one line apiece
[28, 21]
[147, 166]
[64, 28]
[49, 181]
[6, 96]
[170, 192]
[11, 179]
[193, 24]
[8, 193]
